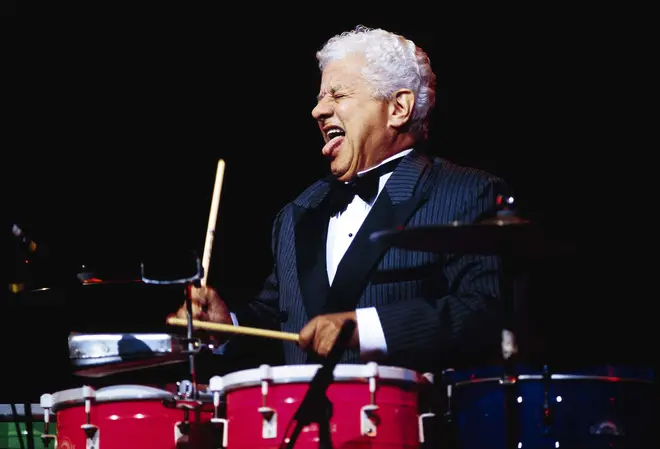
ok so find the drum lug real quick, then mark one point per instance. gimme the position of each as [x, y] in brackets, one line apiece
[216, 387]
[269, 427]
[368, 417]
[225, 427]
[369, 420]
[92, 436]
[46, 403]
[420, 420]
[269, 414]
[91, 431]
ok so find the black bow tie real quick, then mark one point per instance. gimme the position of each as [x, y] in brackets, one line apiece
[364, 186]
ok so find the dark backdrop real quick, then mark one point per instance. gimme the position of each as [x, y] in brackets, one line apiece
[118, 143]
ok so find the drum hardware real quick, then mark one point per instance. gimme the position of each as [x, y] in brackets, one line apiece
[448, 430]
[269, 414]
[216, 387]
[448, 382]
[91, 430]
[46, 402]
[188, 282]
[547, 413]
[368, 417]
[315, 406]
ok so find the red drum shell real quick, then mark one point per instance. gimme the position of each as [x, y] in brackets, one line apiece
[398, 397]
[133, 416]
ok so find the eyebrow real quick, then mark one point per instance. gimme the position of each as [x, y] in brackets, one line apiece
[330, 91]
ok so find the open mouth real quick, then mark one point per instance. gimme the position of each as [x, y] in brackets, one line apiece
[333, 132]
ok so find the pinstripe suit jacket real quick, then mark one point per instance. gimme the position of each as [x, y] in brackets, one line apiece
[432, 307]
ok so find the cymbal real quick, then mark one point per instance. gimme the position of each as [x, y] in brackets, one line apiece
[495, 237]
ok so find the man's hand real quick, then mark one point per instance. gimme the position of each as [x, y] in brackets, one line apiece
[207, 306]
[322, 331]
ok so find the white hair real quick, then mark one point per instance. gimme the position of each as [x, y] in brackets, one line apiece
[392, 63]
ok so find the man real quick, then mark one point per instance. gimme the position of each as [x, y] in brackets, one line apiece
[413, 309]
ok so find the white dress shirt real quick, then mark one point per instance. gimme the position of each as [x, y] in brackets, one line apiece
[341, 230]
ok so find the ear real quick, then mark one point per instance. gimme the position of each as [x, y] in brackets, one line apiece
[401, 108]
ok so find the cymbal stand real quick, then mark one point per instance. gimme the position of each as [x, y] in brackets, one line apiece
[547, 413]
[450, 429]
[191, 348]
[512, 294]
[187, 389]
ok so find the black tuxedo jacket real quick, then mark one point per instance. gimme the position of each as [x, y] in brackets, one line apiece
[435, 309]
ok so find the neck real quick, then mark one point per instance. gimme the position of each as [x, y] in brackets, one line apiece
[399, 143]
[385, 160]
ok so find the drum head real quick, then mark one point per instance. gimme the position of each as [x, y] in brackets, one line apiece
[305, 373]
[529, 372]
[116, 393]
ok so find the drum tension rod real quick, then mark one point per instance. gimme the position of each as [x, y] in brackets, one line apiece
[216, 386]
[368, 418]
[509, 381]
[91, 431]
[429, 414]
[46, 403]
[269, 414]
[547, 415]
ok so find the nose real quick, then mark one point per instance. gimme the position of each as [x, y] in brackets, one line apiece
[322, 110]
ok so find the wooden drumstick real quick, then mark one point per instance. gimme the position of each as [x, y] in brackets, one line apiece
[230, 328]
[213, 217]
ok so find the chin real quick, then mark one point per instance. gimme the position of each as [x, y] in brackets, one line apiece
[336, 169]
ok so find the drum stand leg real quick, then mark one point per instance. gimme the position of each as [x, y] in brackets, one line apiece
[511, 296]
[547, 413]
[191, 347]
[324, 415]
[509, 383]
[449, 429]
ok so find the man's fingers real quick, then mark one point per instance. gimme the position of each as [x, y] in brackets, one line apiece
[198, 312]
[307, 334]
[325, 338]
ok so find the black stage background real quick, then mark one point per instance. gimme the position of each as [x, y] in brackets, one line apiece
[116, 157]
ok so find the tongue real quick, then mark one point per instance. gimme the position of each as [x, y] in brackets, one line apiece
[330, 147]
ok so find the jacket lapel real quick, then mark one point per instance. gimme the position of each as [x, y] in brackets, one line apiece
[311, 230]
[400, 197]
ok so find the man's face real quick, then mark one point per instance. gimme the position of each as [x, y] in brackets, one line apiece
[353, 123]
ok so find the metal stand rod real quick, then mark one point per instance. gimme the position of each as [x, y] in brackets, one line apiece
[191, 346]
[547, 413]
[509, 381]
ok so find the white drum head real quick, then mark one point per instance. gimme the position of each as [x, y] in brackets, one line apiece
[305, 373]
[115, 393]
